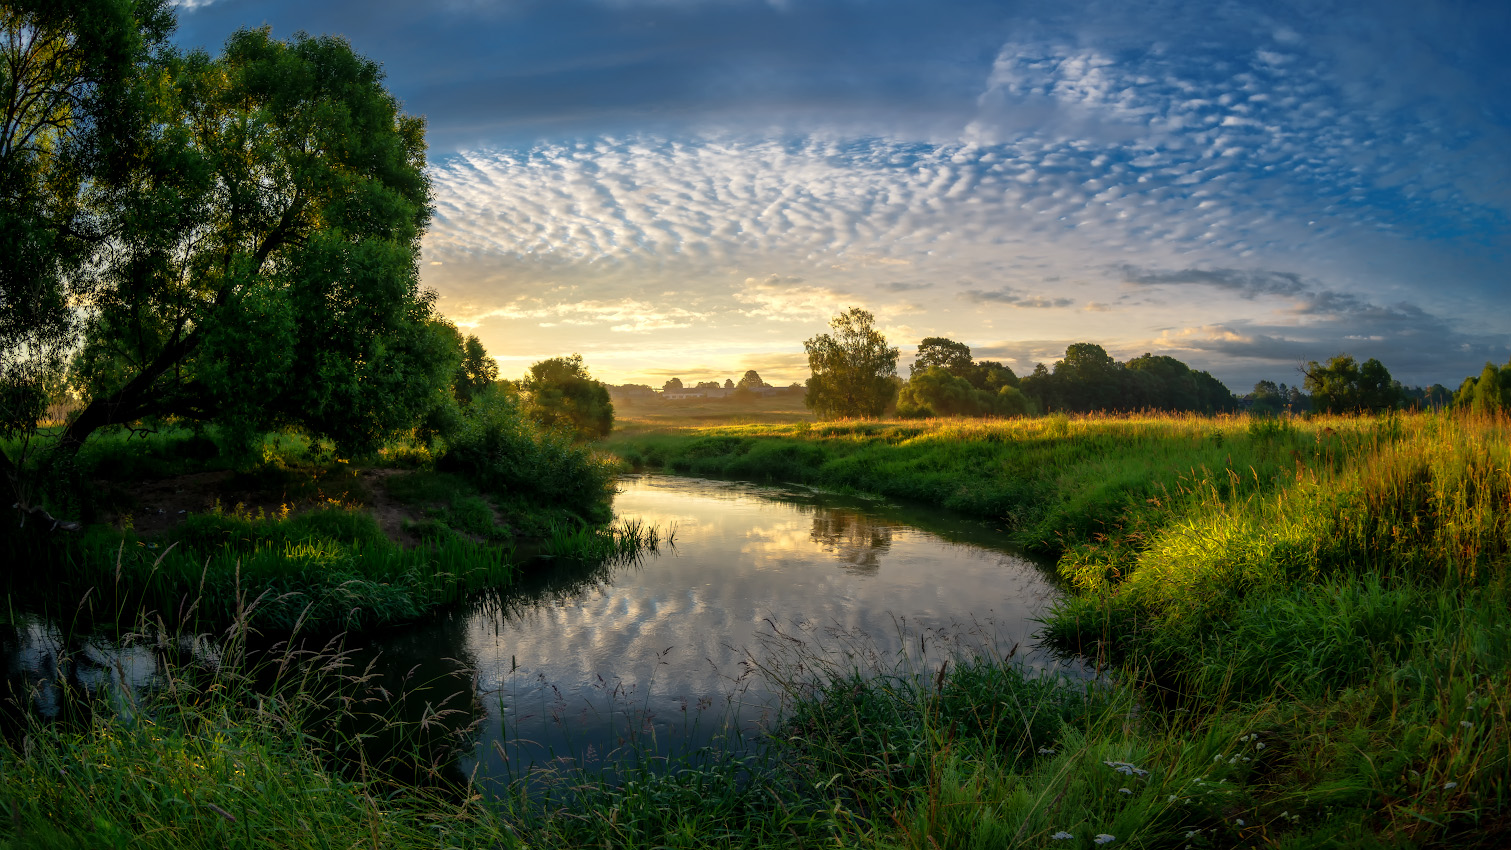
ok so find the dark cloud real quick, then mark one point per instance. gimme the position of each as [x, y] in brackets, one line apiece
[1010, 297]
[1249, 283]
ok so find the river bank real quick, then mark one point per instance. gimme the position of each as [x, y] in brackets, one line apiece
[297, 539]
[1307, 621]
[1331, 591]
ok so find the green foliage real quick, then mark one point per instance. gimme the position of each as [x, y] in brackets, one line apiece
[264, 270]
[72, 73]
[562, 395]
[938, 352]
[476, 373]
[1343, 385]
[1088, 379]
[321, 571]
[853, 371]
[936, 392]
[501, 451]
[1489, 394]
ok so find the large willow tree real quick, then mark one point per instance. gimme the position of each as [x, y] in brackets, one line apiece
[266, 271]
[70, 108]
[248, 256]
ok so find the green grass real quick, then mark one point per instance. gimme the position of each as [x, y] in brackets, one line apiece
[1341, 583]
[1307, 623]
[326, 570]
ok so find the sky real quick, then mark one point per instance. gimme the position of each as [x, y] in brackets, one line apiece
[692, 188]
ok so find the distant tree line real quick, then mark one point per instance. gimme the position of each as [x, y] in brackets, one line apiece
[855, 375]
[1489, 393]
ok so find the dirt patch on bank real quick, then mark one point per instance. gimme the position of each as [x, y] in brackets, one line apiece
[153, 507]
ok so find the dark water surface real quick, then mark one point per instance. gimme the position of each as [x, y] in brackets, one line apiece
[670, 653]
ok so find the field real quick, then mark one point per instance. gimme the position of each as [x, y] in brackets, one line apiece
[1305, 626]
[638, 417]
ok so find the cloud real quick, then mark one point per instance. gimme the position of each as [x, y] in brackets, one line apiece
[1249, 283]
[1013, 298]
[788, 299]
[1322, 177]
[627, 316]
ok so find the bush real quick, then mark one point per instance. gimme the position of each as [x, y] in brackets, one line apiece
[503, 453]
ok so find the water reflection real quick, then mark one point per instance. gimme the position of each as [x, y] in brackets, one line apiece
[857, 540]
[576, 663]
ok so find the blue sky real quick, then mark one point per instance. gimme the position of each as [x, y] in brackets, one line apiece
[693, 187]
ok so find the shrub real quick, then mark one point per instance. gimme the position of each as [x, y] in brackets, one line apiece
[502, 452]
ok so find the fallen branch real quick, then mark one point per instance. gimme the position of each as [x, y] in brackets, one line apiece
[42, 514]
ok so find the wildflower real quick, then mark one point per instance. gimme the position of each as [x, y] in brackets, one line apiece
[1217, 757]
[1259, 746]
[1126, 768]
[1193, 833]
[1238, 821]
[1062, 835]
[1104, 838]
[1124, 791]
[1466, 724]
[1046, 751]
[1171, 799]
[1450, 785]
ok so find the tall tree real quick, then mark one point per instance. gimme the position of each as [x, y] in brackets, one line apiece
[750, 381]
[71, 91]
[949, 355]
[477, 371]
[563, 395]
[1489, 393]
[264, 270]
[853, 370]
[1343, 385]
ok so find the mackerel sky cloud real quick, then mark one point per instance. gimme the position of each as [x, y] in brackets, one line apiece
[693, 187]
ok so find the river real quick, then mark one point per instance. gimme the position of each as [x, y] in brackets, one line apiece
[688, 646]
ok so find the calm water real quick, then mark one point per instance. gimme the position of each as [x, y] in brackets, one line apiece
[578, 664]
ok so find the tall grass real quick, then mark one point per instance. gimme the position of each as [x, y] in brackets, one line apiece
[1341, 584]
[327, 570]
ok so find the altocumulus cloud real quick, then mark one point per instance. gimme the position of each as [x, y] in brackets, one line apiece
[1253, 188]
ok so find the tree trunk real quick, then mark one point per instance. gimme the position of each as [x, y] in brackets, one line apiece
[127, 404]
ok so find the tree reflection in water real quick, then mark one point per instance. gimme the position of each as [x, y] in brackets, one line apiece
[857, 540]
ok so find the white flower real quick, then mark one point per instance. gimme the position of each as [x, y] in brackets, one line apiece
[1126, 768]
[1046, 751]
[1259, 746]
[1104, 838]
[1217, 757]
[1193, 833]
[1466, 724]
[1450, 785]
[1124, 791]
[1171, 799]
[1238, 821]
[1062, 835]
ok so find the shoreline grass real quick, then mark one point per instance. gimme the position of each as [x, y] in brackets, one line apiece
[1343, 583]
[1308, 623]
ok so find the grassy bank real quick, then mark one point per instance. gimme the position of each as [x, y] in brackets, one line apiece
[1338, 587]
[1309, 624]
[296, 538]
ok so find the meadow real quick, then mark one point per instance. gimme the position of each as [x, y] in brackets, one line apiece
[1332, 592]
[1304, 628]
